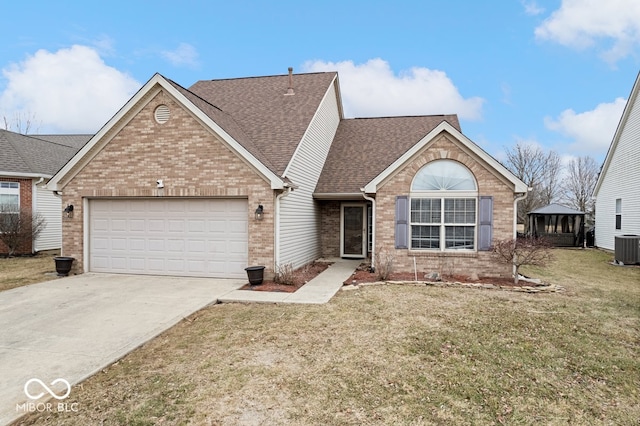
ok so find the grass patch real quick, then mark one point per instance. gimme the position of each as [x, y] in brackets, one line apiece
[25, 270]
[392, 355]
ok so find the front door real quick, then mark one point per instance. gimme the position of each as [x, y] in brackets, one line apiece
[353, 230]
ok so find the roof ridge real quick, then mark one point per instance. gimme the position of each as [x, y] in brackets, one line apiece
[402, 116]
[58, 143]
[197, 96]
[270, 76]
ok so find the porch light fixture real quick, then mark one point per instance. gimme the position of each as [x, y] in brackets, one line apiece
[68, 211]
[259, 213]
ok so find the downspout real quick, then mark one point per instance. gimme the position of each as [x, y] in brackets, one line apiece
[276, 239]
[34, 208]
[515, 220]
[373, 227]
[515, 211]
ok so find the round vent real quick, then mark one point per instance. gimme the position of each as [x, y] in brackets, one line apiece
[162, 114]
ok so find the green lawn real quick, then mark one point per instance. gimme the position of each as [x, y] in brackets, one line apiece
[392, 355]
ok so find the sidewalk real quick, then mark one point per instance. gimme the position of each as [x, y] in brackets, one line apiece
[317, 291]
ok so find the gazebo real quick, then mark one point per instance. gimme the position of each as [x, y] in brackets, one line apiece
[558, 224]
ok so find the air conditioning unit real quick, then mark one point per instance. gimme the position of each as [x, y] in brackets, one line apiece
[627, 249]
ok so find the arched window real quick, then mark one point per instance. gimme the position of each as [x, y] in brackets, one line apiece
[444, 175]
[444, 197]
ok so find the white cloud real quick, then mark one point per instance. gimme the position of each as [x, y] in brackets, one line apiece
[69, 91]
[184, 55]
[592, 131]
[372, 89]
[581, 24]
[532, 8]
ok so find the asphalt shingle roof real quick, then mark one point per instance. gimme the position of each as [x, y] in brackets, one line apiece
[257, 112]
[364, 147]
[37, 154]
[556, 209]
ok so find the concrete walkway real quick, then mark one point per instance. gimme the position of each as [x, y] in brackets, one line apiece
[317, 291]
[71, 328]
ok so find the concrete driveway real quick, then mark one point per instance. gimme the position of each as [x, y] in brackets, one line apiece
[70, 328]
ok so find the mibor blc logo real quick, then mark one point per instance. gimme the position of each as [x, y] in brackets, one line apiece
[35, 389]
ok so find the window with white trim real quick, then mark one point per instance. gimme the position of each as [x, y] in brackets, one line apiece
[618, 213]
[444, 208]
[9, 202]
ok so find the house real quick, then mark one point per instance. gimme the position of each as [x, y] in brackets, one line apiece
[26, 165]
[208, 180]
[617, 191]
[560, 225]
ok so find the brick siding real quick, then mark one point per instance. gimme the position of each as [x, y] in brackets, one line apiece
[190, 160]
[490, 183]
[481, 263]
[26, 203]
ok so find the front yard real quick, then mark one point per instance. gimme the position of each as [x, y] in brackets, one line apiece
[19, 271]
[392, 355]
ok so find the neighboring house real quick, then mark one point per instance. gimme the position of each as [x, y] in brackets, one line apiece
[266, 171]
[26, 165]
[617, 191]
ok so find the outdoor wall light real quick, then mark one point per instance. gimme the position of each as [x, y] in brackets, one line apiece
[68, 211]
[259, 212]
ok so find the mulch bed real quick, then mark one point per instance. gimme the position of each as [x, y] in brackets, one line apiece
[362, 275]
[301, 276]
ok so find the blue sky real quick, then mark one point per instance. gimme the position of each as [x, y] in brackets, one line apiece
[555, 73]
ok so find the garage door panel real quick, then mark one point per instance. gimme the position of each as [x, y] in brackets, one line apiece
[118, 264]
[196, 247]
[118, 244]
[156, 225]
[197, 226]
[137, 225]
[176, 225]
[237, 248]
[175, 246]
[137, 244]
[137, 264]
[185, 237]
[155, 244]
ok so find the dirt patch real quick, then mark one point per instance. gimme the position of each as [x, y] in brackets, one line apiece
[301, 276]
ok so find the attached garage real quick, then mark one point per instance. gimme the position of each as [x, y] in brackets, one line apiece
[204, 237]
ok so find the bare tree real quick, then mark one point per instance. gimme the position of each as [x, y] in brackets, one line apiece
[19, 227]
[550, 187]
[523, 251]
[539, 170]
[21, 122]
[580, 181]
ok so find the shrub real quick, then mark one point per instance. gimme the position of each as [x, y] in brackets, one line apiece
[383, 264]
[523, 251]
[285, 274]
[19, 227]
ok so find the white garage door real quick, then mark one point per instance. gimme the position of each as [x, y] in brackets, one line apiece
[183, 237]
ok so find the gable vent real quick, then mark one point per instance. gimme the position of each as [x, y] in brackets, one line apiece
[162, 114]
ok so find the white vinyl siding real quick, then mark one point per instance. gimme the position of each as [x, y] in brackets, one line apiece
[182, 237]
[620, 181]
[299, 231]
[49, 206]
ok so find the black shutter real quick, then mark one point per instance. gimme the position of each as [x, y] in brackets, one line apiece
[485, 222]
[402, 222]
